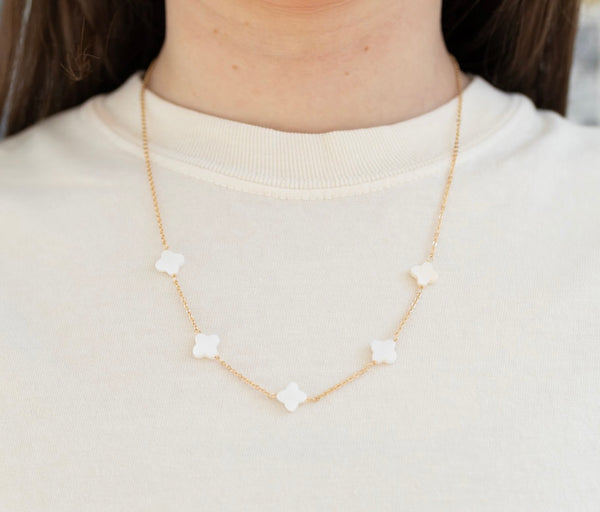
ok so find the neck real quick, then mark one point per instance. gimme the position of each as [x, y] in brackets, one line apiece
[305, 65]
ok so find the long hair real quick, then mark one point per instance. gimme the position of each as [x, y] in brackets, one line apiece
[56, 54]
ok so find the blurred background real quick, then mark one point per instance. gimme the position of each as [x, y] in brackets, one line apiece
[584, 93]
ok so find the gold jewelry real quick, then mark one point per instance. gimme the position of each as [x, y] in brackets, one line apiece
[383, 351]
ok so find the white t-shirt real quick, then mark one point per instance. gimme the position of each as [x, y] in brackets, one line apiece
[297, 255]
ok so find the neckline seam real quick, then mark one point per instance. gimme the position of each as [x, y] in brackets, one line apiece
[172, 162]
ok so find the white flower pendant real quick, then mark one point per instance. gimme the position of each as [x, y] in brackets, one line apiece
[206, 346]
[424, 274]
[291, 396]
[169, 262]
[384, 351]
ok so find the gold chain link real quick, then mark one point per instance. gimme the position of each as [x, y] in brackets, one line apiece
[419, 291]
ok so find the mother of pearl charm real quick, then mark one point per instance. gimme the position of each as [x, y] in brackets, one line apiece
[291, 396]
[169, 262]
[384, 351]
[206, 346]
[424, 274]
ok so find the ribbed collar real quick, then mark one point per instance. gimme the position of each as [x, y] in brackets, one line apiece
[311, 165]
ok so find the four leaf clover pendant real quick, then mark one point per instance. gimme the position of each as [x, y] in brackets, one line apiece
[291, 396]
[206, 346]
[383, 351]
[169, 262]
[424, 274]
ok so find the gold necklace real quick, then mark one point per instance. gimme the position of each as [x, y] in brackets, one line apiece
[383, 351]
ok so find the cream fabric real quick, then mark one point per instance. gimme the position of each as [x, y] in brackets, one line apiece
[297, 252]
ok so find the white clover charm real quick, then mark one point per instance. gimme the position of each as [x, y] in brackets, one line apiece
[291, 396]
[169, 262]
[384, 351]
[424, 274]
[206, 345]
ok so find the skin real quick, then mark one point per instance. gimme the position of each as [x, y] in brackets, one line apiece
[305, 65]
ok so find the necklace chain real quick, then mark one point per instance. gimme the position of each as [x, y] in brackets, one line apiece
[420, 286]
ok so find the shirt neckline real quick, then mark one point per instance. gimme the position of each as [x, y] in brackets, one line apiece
[259, 159]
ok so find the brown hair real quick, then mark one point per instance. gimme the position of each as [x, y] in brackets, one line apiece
[56, 54]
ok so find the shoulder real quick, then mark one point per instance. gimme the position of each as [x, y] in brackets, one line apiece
[553, 166]
[64, 149]
[536, 150]
[562, 156]
[536, 178]
[58, 176]
[519, 129]
[559, 140]
[51, 137]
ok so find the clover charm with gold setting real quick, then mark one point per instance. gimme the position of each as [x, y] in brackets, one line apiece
[291, 396]
[169, 262]
[424, 274]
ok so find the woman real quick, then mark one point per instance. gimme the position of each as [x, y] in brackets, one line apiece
[224, 212]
